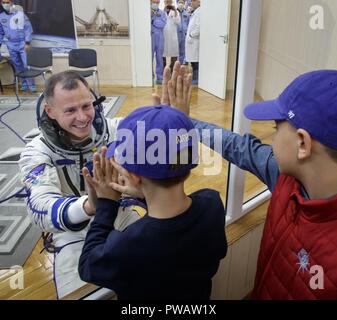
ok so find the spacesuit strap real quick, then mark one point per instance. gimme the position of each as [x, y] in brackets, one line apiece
[58, 249]
[48, 242]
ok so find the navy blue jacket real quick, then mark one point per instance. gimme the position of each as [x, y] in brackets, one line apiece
[157, 259]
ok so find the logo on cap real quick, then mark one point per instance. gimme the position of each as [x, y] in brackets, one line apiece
[291, 114]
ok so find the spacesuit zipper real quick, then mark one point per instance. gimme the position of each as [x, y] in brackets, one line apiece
[70, 184]
[82, 186]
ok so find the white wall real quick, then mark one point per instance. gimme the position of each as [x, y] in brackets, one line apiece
[236, 274]
[140, 37]
[113, 58]
[289, 47]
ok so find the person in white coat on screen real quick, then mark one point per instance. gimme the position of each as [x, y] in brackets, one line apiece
[193, 39]
[171, 43]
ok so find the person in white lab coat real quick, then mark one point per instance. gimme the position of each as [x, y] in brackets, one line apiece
[171, 44]
[193, 39]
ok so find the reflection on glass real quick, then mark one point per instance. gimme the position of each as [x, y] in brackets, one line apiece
[294, 39]
[207, 107]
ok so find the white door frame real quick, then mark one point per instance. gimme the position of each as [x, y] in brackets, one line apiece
[244, 94]
[140, 42]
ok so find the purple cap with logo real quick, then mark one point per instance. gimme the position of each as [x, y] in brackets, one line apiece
[148, 141]
[309, 102]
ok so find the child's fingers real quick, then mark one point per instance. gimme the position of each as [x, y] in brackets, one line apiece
[108, 171]
[119, 168]
[103, 160]
[114, 174]
[97, 169]
[85, 171]
[89, 180]
[118, 187]
[107, 166]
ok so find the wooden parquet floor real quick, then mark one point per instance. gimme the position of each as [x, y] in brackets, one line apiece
[38, 269]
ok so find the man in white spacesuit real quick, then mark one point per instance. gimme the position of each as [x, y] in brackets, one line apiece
[17, 29]
[72, 128]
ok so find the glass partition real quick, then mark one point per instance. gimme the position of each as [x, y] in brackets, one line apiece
[294, 37]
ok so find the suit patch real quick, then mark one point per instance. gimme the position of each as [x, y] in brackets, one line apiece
[33, 175]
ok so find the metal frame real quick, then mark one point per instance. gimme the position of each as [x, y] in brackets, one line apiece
[96, 79]
[244, 94]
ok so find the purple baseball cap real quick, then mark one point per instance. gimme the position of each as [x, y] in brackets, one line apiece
[309, 102]
[148, 141]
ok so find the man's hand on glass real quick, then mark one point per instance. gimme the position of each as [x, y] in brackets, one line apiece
[176, 88]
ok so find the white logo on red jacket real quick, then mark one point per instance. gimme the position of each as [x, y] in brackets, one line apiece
[317, 280]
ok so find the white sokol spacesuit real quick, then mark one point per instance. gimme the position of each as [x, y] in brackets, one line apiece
[50, 168]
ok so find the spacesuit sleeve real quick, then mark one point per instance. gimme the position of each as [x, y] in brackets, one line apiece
[46, 205]
[28, 30]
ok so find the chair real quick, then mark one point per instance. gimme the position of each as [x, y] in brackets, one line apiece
[6, 61]
[85, 59]
[39, 62]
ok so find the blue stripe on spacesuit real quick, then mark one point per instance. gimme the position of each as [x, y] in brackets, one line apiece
[37, 170]
[65, 221]
[65, 162]
[54, 212]
[55, 209]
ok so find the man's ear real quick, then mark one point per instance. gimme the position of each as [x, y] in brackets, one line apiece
[49, 110]
[304, 144]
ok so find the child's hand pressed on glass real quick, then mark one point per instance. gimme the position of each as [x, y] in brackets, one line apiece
[103, 175]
